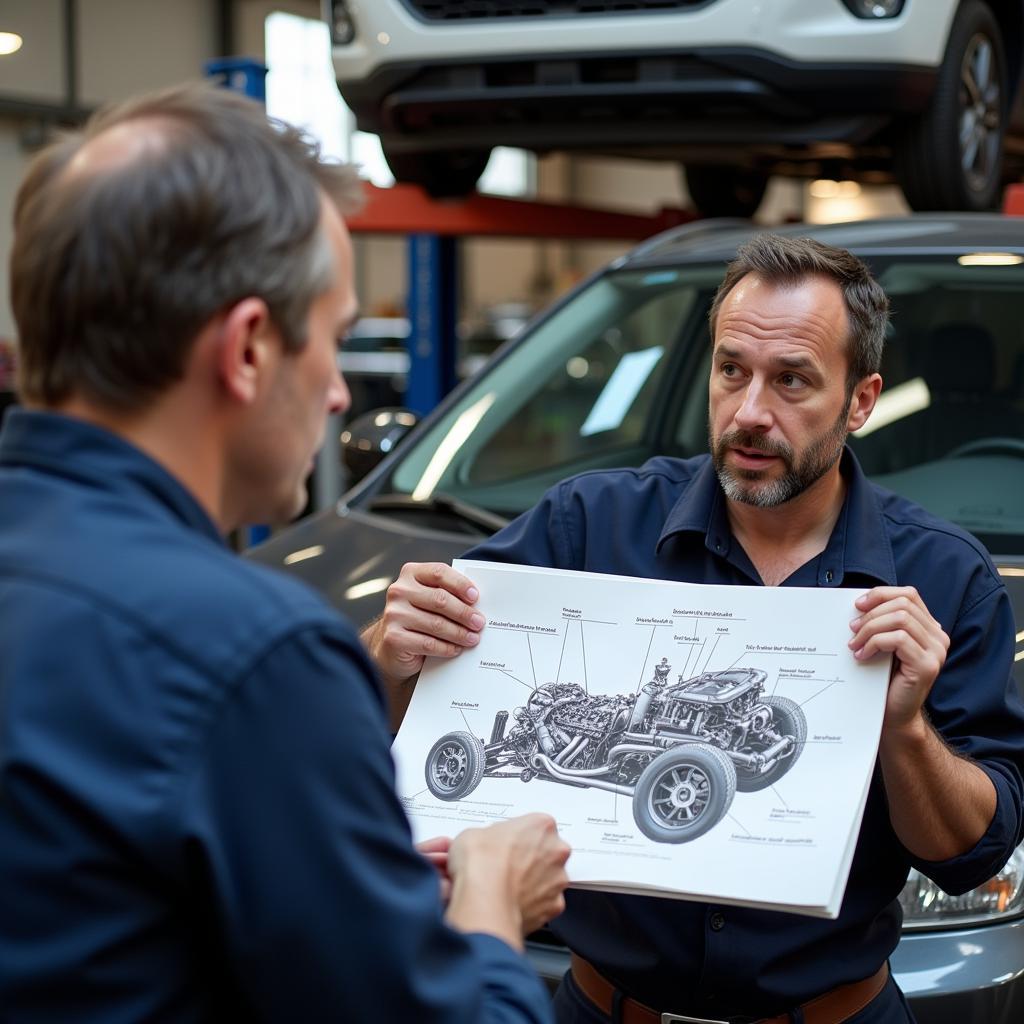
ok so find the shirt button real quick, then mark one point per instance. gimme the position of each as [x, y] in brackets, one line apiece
[828, 575]
[717, 921]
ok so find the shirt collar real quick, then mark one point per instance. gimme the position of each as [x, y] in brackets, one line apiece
[859, 541]
[69, 447]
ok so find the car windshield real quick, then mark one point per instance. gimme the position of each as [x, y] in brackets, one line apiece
[619, 373]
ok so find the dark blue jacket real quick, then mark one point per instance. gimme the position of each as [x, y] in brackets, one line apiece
[667, 520]
[197, 811]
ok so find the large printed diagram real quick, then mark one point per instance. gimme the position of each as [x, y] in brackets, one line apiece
[701, 742]
[681, 751]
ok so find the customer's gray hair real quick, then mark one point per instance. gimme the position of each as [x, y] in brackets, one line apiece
[115, 269]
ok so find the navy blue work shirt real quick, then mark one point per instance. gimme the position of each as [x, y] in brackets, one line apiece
[198, 819]
[667, 520]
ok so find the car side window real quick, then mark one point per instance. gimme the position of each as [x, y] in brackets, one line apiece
[581, 392]
[595, 400]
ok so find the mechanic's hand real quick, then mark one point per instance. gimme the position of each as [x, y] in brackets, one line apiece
[508, 878]
[436, 851]
[895, 620]
[429, 611]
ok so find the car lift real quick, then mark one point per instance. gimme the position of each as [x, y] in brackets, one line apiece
[434, 228]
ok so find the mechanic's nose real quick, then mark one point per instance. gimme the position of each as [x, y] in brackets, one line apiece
[754, 412]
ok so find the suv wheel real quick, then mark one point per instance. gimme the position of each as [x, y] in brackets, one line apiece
[723, 191]
[450, 175]
[950, 157]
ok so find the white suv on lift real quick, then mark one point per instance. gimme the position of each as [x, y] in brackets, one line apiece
[920, 92]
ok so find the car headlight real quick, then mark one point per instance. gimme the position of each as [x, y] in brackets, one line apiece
[343, 28]
[875, 9]
[925, 905]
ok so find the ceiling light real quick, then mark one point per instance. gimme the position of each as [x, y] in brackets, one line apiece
[10, 42]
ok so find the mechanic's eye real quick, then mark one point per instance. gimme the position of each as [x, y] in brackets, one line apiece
[792, 382]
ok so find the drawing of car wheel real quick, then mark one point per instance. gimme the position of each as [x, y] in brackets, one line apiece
[455, 765]
[683, 793]
[788, 720]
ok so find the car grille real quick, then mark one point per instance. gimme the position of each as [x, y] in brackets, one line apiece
[480, 10]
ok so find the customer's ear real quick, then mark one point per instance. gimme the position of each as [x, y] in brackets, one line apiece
[247, 343]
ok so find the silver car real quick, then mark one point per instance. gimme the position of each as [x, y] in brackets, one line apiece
[617, 372]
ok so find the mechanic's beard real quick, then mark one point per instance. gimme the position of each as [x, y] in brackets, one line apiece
[749, 485]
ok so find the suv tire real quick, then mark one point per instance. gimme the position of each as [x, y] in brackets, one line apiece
[718, 190]
[449, 175]
[950, 157]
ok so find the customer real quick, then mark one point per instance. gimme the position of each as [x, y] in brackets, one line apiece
[798, 329]
[198, 818]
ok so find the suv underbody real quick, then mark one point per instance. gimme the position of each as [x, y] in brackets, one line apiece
[921, 97]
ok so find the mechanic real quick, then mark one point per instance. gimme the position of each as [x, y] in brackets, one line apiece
[798, 330]
[198, 818]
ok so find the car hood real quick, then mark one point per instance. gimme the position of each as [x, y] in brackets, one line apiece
[352, 556]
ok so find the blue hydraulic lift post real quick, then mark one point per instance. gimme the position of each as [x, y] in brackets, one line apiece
[242, 74]
[435, 228]
[432, 301]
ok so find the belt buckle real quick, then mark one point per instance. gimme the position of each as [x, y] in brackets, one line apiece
[676, 1018]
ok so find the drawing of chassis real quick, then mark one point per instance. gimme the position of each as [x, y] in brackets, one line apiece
[679, 750]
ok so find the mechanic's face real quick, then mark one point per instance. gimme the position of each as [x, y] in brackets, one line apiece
[308, 385]
[779, 411]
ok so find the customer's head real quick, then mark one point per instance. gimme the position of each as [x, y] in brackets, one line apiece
[163, 212]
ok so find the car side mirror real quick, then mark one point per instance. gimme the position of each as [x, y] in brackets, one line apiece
[371, 436]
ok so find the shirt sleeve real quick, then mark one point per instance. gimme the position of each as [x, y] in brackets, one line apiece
[293, 832]
[542, 536]
[977, 708]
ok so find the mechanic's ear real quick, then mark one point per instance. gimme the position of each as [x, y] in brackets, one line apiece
[863, 400]
[247, 342]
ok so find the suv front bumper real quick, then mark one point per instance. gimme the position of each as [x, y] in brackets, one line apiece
[389, 32]
[641, 101]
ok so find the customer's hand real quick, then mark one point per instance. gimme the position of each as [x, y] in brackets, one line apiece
[429, 612]
[508, 879]
[436, 852]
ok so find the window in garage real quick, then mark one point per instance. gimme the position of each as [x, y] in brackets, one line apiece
[301, 90]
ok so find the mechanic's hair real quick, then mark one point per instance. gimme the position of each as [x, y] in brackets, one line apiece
[116, 267]
[780, 260]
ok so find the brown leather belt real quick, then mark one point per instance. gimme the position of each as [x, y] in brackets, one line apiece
[833, 1007]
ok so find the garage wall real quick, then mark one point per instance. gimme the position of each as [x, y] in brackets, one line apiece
[129, 46]
[12, 166]
[124, 47]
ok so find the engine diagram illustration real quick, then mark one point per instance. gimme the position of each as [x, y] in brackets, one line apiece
[679, 750]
